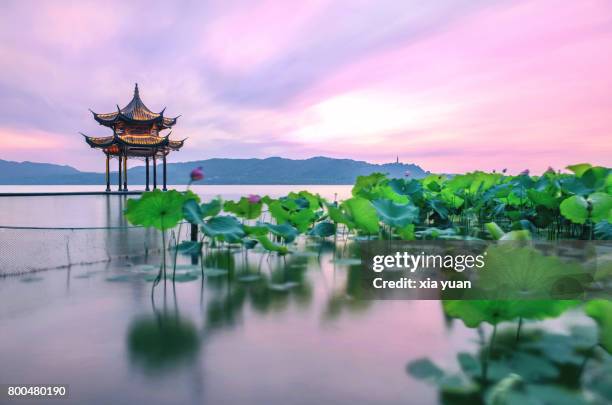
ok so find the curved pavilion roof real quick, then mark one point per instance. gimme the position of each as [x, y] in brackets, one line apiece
[153, 143]
[134, 112]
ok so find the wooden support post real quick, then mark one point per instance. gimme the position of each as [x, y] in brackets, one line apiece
[194, 238]
[125, 188]
[164, 189]
[119, 174]
[147, 173]
[154, 173]
[107, 173]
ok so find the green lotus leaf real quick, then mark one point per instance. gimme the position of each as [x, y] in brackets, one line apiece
[451, 199]
[543, 198]
[225, 228]
[575, 185]
[243, 208]
[189, 247]
[558, 348]
[256, 230]
[337, 215]
[603, 230]
[513, 271]
[363, 184]
[407, 232]
[285, 231]
[475, 312]
[424, 369]
[601, 206]
[314, 200]
[362, 214]
[460, 182]
[579, 168]
[249, 243]
[601, 312]
[406, 187]
[193, 213]
[532, 367]
[376, 186]
[302, 219]
[472, 367]
[271, 246]
[394, 214]
[439, 207]
[323, 229]
[598, 206]
[575, 208]
[278, 212]
[158, 209]
[211, 208]
[595, 177]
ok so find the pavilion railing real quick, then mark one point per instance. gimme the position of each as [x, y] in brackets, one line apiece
[31, 249]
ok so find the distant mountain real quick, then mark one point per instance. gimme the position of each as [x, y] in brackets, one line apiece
[34, 173]
[273, 170]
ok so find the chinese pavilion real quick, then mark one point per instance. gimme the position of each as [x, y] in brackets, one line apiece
[136, 135]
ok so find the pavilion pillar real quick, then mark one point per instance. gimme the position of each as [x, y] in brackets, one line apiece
[147, 173]
[119, 174]
[164, 189]
[154, 173]
[125, 188]
[107, 173]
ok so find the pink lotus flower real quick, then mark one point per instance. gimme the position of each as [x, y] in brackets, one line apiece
[196, 174]
[253, 198]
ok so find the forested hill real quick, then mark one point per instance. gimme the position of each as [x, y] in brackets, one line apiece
[273, 170]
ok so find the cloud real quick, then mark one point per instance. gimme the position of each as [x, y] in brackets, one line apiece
[451, 85]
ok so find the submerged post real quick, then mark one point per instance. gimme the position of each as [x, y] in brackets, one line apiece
[164, 189]
[147, 173]
[107, 173]
[125, 188]
[119, 175]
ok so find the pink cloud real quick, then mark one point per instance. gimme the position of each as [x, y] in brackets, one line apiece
[525, 86]
[503, 85]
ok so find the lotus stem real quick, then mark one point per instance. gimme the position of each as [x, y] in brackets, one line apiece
[518, 329]
[485, 367]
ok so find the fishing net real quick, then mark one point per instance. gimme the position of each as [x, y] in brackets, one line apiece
[29, 249]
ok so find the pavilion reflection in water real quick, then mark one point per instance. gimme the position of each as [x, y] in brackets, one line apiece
[136, 135]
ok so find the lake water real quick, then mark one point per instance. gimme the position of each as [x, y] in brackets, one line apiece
[101, 210]
[268, 331]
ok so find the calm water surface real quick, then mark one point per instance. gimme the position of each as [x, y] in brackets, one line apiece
[265, 332]
[101, 210]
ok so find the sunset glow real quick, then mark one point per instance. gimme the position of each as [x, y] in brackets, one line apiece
[451, 86]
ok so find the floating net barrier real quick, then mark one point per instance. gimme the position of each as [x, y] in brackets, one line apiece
[31, 249]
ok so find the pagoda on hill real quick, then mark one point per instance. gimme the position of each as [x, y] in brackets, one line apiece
[136, 135]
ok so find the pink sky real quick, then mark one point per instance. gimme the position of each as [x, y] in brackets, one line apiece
[451, 86]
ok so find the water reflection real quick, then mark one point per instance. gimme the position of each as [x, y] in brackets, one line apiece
[158, 343]
[165, 340]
